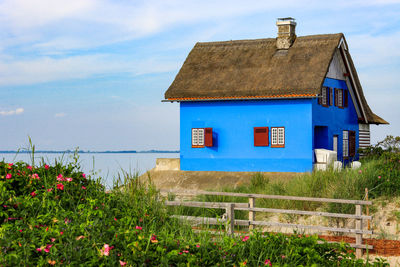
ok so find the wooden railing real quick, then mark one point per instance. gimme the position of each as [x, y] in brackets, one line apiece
[230, 208]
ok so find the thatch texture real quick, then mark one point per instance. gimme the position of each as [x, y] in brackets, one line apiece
[255, 69]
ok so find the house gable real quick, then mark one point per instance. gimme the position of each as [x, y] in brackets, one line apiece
[337, 70]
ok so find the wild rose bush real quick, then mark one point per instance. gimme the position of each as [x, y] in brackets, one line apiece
[57, 215]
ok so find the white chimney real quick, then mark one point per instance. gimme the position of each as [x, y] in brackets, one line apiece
[286, 32]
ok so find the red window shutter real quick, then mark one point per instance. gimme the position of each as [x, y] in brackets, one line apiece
[330, 96]
[352, 143]
[346, 98]
[208, 140]
[336, 97]
[261, 136]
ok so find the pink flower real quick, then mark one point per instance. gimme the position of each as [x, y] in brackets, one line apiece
[39, 249]
[122, 263]
[61, 233]
[8, 176]
[47, 249]
[60, 177]
[197, 246]
[283, 257]
[52, 239]
[29, 167]
[33, 194]
[35, 176]
[267, 262]
[83, 187]
[360, 171]
[138, 228]
[153, 239]
[379, 177]
[20, 230]
[115, 219]
[68, 179]
[185, 251]
[50, 189]
[244, 239]
[83, 175]
[46, 167]
[106, 250]
[60, 186]
[10, 164]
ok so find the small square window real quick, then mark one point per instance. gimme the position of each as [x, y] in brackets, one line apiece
[277, 136]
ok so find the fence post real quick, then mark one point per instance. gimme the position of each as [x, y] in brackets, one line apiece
[230, 217]
[252, 214]
[367, 209]
[359, 236]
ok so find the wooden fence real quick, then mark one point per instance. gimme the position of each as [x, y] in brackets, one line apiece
[230, 208]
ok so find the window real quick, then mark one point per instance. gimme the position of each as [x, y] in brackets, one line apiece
[345, 144]
[198, 137]
[261, 136]
[202, 137]
[325, 96]
[341, 98]
[277, 136]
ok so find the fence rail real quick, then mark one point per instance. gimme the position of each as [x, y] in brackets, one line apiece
[230, 208]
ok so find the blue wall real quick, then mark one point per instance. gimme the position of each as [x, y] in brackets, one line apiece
[334, 119]
[233, 122]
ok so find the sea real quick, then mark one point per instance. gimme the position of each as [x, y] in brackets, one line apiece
[107, 166]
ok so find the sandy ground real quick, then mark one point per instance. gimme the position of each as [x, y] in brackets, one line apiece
[196, 180]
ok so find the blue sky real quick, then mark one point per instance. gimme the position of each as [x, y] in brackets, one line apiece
[92, 73]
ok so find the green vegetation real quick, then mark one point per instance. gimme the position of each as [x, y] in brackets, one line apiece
[380, 173]
[57, 215]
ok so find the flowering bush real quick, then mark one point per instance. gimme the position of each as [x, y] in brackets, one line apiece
[57, 215]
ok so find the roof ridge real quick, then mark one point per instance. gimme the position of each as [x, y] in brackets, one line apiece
[263, 40]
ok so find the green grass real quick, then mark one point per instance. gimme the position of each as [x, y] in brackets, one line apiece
[381, 176]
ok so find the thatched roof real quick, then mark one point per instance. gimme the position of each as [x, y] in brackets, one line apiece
[248, 69]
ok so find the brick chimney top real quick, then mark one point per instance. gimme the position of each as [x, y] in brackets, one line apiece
[286, 32]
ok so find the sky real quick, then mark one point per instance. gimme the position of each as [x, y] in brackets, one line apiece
[92, 73]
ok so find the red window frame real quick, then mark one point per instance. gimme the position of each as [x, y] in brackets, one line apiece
[277, 137]
[261, 136]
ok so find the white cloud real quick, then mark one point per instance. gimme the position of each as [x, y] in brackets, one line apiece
[59, 115]
[47, 69]
[12, 112]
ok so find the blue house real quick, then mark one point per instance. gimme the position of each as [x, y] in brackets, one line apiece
[265, 105]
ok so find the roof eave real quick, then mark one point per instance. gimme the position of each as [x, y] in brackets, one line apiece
[236, 98]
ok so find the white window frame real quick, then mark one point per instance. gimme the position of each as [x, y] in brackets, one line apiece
[324, 100]
[198, 137]
[277, 136]
[340, 98]
[345, 144]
